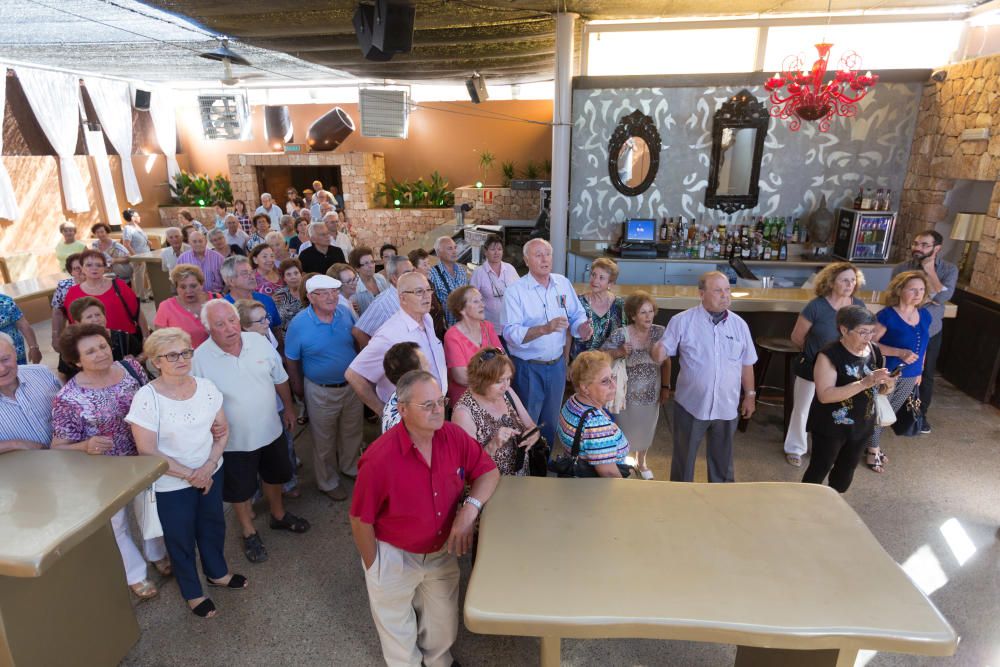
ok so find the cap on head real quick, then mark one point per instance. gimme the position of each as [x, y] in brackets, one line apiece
[321, 282]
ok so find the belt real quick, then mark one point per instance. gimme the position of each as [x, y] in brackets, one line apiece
[338, 385]
[540, 362]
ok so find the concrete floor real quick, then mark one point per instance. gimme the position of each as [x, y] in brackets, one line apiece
[307, 605]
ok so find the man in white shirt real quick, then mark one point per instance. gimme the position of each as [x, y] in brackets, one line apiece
[717, 355]
[234, 233]
[338, 236]
[271, 210]
[174, 248]
[248, 372]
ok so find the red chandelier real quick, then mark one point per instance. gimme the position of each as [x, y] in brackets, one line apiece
[807, 97]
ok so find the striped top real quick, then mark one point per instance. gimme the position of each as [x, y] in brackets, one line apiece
[28, 415]
[378, 311]
[601, 441]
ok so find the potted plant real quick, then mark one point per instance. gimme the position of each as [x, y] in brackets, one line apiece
[486, 160]
[197, 194]
[508, 170]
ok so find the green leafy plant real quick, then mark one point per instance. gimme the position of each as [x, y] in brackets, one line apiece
[200, 190]
[547, 167]
[416, 194]
[486, 160]
[508, 170]
[531, 170]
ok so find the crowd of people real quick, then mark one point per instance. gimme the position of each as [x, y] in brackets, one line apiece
[466, 373]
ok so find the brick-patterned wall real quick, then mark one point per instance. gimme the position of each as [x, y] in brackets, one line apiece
[504, 204]
[968, 98]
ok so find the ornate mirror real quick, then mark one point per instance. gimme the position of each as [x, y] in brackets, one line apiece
[634, 154]
[738, 131]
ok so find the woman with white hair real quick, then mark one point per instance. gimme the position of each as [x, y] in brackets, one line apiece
[172, 418]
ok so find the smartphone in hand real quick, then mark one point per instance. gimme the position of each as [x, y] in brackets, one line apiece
[898, 370]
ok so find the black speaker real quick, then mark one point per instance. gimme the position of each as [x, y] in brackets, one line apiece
[329, 130]
[364, 25]
[393, 29]
[142, 99]
[476, 85]
[277, 126]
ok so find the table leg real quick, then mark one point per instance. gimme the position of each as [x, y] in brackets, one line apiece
[754, 656]
[551, 647]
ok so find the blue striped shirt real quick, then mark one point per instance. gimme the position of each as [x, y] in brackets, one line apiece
[378, 311]
[28, 415]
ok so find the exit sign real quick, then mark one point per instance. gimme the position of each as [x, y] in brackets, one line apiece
[295, 148]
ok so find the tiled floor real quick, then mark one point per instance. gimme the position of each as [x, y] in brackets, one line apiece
[307, 605]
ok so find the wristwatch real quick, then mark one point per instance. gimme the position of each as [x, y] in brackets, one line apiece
[475, 503]
[664, 386]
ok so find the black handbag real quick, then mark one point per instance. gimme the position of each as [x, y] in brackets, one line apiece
[571, 465]
[909, 417]
[123, 343]
[538, 454]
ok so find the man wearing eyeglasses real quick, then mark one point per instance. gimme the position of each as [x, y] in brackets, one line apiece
[540, 310]
[319, 256]
[942, 277]
[409, 528]
[319, 348]
[238, 276]
[411, 324]
[385, 304]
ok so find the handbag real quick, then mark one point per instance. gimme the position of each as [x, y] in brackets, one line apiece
[128, 344]
[883, 410]
[619, 371]
[144, 505]
[538, 454]
[909, 417]
[571, 465]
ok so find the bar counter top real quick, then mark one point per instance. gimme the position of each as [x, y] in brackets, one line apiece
[588, 250]
[745, 299]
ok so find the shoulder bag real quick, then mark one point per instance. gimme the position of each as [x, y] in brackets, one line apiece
[122, 343]
[619, 371]
[144, 505]
[909, 417]
[571, 465]
[538, 454]
[884, 414]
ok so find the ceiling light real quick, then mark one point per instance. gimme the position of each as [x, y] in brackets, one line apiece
[224, 53]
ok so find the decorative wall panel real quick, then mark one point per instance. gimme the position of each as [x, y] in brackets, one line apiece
[796, 170]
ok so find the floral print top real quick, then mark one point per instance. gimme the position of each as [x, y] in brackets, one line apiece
[643, 373]
[856, 415]
[9, 315]
[603, 325]
[79, 412]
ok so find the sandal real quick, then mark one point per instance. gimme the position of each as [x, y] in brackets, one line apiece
[875, 460]
[236, 581]
[144, 590]
[290, 522]
[646, 474]
[794, 460]
[253, 549]
[204, 609]
[163, 566]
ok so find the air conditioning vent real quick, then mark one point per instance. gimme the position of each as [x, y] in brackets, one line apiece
[224, 116]
[384, 112]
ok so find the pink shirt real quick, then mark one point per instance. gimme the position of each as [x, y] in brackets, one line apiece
[493, 286]
[400, 328]
[172, 314]
[712, 357]
[458, 349]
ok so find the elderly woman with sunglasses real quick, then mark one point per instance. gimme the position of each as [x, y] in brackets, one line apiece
[172, 417]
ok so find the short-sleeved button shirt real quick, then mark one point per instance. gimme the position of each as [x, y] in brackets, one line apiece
[28, 415]
[712, 357]
[325, 349]
[247, 385]
[410, 504]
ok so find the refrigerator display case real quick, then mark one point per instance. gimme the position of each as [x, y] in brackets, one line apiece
[864, 236]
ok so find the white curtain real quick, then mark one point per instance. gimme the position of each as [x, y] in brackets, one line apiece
[113, 104]
[54, 98]
[161, 109]
[8, 203]
[94, 141]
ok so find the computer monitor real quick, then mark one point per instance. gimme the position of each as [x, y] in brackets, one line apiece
[640, 230]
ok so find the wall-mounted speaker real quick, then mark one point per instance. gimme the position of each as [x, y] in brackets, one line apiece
[476, 85]
[278, 126]
[364, 27]
[142, 99]
[329, 130]
[393, 29]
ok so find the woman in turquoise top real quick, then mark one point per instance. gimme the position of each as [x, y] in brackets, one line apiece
[902, 334]
[602, 443]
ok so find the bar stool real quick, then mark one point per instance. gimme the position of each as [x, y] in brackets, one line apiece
[770, 346]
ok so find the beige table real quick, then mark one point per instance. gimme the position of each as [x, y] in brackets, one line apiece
[63, 594]
[557, 559]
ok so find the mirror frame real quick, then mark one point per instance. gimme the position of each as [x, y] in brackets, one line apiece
[635, 124]
[742, 110]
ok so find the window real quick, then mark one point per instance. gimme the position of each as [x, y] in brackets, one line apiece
[384, 112]
[224, 116]
[671, 51]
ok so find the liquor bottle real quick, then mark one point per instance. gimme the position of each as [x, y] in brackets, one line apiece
[877, 200]
[783, 251]
[663, 230]
[701, 251]
[745, 248]
[859, 200]
[795, 231]
[866, 201]
[767, 253]
[887, 200]
[760, 225]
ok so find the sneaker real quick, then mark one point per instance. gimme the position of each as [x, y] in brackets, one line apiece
[925, 426]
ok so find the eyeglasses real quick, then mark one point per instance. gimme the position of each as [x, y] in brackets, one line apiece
[352, 281]
[173, 357]
[491, 353]
[419, 292]
[429, 406]
[370, 262]
[264, 320]
[865, 333]
[608, 381]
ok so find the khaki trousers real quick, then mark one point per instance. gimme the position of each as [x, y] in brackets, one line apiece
[414, 601]
[336, 420]
[139, 285]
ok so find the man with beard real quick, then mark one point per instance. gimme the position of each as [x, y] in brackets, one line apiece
[942, 276]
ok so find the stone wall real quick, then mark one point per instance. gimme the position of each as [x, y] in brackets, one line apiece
[968, 98]
[492, 204]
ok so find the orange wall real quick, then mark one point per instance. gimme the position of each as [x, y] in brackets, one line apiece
[441, 140]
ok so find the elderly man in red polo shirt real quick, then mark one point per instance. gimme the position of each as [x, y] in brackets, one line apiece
[409, 528]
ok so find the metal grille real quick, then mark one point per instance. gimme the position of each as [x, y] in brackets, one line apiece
[384, 112]
[223, 116]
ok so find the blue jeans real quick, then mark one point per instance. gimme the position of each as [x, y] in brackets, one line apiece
[541, 388]
[191, 518]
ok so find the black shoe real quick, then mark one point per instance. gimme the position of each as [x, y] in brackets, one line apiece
[296, 524]
[925, 426]
[254, 549]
